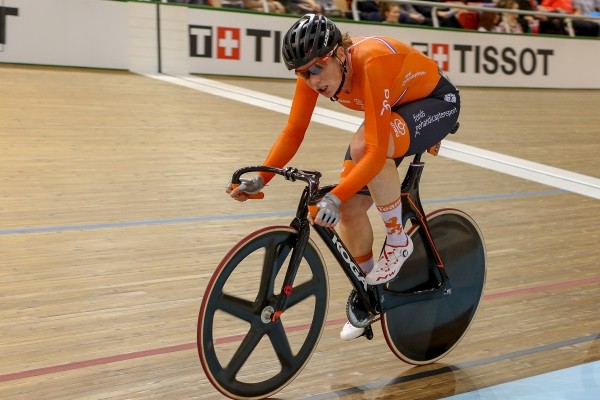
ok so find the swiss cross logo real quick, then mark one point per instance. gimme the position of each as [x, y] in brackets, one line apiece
[228, 43]
[440, 53]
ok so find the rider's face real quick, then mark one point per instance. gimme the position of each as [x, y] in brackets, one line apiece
[327, 80]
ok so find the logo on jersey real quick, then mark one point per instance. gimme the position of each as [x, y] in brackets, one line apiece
[450, 98]
[410, 76]
[399, 127]
[386, 105]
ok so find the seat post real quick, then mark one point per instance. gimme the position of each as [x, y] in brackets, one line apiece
[417, 158]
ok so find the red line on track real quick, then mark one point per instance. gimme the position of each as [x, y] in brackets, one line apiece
[229, 339]
[95, 361]
[542, 288]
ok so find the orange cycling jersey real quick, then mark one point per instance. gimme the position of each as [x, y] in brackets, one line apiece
[386, 73]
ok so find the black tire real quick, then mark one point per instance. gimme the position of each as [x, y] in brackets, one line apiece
[425, 331]
[243, 353]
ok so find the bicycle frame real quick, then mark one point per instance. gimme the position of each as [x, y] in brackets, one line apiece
[376, 299]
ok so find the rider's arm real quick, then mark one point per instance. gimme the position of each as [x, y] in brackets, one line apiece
[288, 142]
[386, 88]
[376, 131]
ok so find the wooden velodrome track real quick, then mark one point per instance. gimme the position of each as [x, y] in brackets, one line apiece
[114, 216]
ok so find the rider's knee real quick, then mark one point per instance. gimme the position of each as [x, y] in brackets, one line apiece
[354, 207]
[357, 145]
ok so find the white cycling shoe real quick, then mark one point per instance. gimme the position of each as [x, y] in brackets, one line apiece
[389, 264]
[350, 332]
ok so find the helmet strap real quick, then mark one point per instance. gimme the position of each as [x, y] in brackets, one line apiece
[339, 89]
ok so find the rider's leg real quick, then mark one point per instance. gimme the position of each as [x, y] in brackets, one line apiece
[385, 186]
[385, 191]
[356, 232]
[415, 126]
[355, 227]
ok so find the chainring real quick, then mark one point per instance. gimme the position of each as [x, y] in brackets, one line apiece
[357, 315]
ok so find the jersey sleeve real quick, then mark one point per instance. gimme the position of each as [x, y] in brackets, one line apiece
[377, 85]
[292, 135]
[417, 79]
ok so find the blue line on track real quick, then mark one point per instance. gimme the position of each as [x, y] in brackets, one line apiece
[210, 218]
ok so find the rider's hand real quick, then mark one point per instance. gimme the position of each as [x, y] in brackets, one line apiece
[329, 211]
[246, 187]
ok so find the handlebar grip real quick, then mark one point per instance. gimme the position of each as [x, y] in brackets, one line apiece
[255, 196]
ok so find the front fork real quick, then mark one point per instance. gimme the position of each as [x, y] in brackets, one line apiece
[297, 254]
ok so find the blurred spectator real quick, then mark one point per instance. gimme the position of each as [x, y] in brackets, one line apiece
[529, 23]
[192, 2]
[413, 16]
[390, 12]
[369, 11]
[273, 6]
[509, 22]
[488, 21]
[551, 25]
[374, 11]
[557, 25]
[588, 7]
[565, 6]
[304, 6]
[329, 8]
[446, 17]
[400, 13]
[232, 3]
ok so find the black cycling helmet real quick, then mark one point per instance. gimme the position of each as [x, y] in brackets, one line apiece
[311, 36]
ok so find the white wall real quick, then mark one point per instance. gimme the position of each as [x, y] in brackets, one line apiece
[87, 33]
[125, 35]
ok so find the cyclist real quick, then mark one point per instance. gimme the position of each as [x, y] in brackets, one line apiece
[409, 105]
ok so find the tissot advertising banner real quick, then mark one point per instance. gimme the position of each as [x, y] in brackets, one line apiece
[250, 45]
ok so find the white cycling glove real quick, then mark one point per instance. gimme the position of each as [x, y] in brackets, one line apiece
[329, 211]
[252, 186]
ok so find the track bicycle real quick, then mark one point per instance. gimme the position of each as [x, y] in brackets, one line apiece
[265, 306]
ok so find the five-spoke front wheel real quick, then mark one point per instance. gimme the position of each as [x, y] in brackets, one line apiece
[244, 353]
